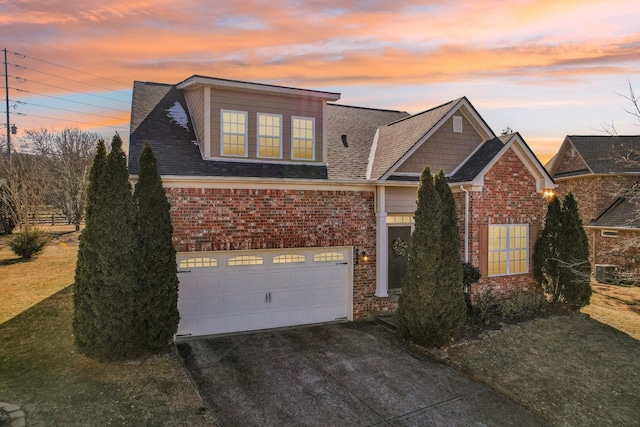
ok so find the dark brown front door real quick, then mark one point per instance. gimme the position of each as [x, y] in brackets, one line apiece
[397, 263]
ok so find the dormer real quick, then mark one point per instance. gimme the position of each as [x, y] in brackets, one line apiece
[255, 122]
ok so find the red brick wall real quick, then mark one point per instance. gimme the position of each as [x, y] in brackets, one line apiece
[594, 193]
[227, 219]
[622, 251]
[509, 196]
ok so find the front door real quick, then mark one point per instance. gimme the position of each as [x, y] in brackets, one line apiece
[399, 238]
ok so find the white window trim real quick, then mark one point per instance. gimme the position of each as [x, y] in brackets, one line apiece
[246, 129]
[313, 139]
[258, 136]
[611, 234]
[508, 249]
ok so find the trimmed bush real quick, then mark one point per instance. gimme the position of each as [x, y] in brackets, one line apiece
[28, 244]
[524, 305]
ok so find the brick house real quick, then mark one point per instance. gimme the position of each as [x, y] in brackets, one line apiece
[603, 173]
[291, 209]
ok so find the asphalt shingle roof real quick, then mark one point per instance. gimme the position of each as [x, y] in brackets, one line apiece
[603, 154]
[396, 138]
[359, 125]
[624, 212]
[478, 161]
[174, 144]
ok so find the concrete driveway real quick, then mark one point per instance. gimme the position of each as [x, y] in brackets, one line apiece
[348, 374]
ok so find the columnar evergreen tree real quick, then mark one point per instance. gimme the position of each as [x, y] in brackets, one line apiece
[576, 274]
[419, 285]
[449, 307]
[87, 314]
[561, 256]
[546, 259]
[106, 310]
[157, 270]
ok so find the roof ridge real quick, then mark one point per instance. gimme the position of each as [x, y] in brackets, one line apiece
[425, 111]
[366, 108]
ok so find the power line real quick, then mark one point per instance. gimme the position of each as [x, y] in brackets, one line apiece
[28, 70]
[67, 120]
[69, 100]
[21, 55]
[22, 67]
[23, 80]
[64, 109]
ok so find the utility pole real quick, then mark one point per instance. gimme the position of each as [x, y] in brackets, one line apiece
[6, 89]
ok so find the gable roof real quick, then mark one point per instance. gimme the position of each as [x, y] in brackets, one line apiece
[623, 212]
[601, 154]
[478, 161]
[396, 141]
[359, 126]
[174, 143]
[473, 170]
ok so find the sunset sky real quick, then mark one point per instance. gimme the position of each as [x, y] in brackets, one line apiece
[543, 68]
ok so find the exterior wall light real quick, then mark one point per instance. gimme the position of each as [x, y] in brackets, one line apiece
[548, 193]
[360, 256]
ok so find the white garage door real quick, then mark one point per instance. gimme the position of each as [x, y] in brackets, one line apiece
[231, 291]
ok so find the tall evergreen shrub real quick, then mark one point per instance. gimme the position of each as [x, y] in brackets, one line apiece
[88, 282]
[106, 310]
[431, 308]
[561, 256]
[576, 276]
[157, 270]
[546, 257]
[449, 307]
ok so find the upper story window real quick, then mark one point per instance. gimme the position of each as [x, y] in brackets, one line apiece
[234, 133]
[269, 135]
[303, 137]
[508, 249]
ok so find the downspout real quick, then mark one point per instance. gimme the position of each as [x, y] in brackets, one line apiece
[466, 223]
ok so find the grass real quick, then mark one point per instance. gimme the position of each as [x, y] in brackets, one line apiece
[41, 370]
[571, 370]
[25, 283]
[617, 306]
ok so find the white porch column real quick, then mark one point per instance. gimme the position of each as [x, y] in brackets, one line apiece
[381, 245]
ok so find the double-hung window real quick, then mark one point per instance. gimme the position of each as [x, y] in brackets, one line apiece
[234, 133]
[269, 135]
[303, 137]
[508, 247]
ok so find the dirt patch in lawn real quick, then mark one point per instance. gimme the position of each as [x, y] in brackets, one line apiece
[43, 373]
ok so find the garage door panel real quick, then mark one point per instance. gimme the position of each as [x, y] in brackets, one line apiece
[232, 303]
[188, 308]
[229, 298]
[206, 306]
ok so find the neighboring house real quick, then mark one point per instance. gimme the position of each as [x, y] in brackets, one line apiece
[603, 173]
[289, 209]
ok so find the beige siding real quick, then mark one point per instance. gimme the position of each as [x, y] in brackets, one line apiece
[400, 199]
[445, 149]
[195, 104]
[254, 103]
